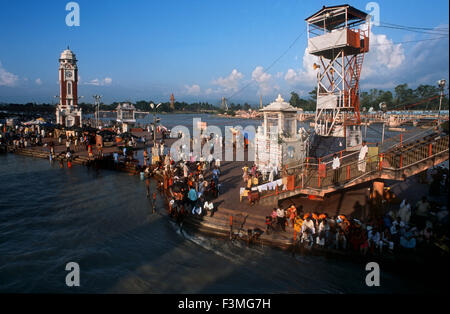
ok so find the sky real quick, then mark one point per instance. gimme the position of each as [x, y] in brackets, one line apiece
[203, 50]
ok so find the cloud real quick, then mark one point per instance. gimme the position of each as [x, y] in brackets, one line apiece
[229, 83]
[96, 82]
[193, 90]
[305, 76]
[38, 81]
[264, 81]
[383, 57]
[7, 78]
[389, 64]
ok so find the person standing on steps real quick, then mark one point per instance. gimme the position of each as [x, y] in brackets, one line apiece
[336, 169]
[362, 157]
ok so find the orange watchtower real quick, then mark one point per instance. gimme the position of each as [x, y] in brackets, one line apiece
[339, 37]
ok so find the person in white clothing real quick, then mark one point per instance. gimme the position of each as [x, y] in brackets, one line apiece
[208, 206]
[308, 230]
[322, 233]
[336, 169]
[405, 211]
[185, 170]
[281, 219]
[374, 237]
[362, 157]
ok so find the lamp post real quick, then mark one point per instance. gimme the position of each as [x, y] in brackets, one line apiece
[383, 108]
[364, 109]
[441, 84]
[154, 108]
[97, 105]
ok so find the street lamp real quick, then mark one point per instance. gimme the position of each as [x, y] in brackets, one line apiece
[154, 108]
[441, 84]
[383, 108]
[364, 109]
[97, 105]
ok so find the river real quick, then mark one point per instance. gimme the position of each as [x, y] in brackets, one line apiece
[50, 216]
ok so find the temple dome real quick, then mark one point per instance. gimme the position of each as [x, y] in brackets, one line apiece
[279, 105]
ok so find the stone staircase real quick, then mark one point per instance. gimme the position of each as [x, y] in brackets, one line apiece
[76, 159]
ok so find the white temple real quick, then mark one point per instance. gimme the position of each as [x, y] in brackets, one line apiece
[278, 142]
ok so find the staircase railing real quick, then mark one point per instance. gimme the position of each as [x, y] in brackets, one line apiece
[320, 176]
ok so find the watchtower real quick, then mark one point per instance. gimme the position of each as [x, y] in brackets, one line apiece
[339, 37]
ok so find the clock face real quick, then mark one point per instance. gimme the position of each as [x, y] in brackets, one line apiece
[68, 74]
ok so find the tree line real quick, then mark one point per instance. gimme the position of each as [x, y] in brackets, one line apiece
[402, 98]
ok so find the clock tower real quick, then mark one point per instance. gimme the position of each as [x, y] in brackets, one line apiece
[67, 112]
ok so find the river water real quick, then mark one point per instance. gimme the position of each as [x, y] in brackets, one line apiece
[50, 216]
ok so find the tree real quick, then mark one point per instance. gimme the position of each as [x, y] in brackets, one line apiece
[403, 96]
[424, 92]
[313, 94]
[295, 100]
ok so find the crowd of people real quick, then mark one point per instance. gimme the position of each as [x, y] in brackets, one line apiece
[404, 229]
[21, 136]
[191, 185]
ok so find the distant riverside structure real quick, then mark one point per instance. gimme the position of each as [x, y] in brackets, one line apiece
[224, 104]
[172, 102]
[67, 112]
[278, 143]
[126, 116]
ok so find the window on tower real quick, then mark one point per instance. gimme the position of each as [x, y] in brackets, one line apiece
[69, 88]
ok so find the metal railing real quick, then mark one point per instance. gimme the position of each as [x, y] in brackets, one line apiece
[309, 176]
[418, 151]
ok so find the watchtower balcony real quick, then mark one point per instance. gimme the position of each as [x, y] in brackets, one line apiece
[338, 27]
[352, 41]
